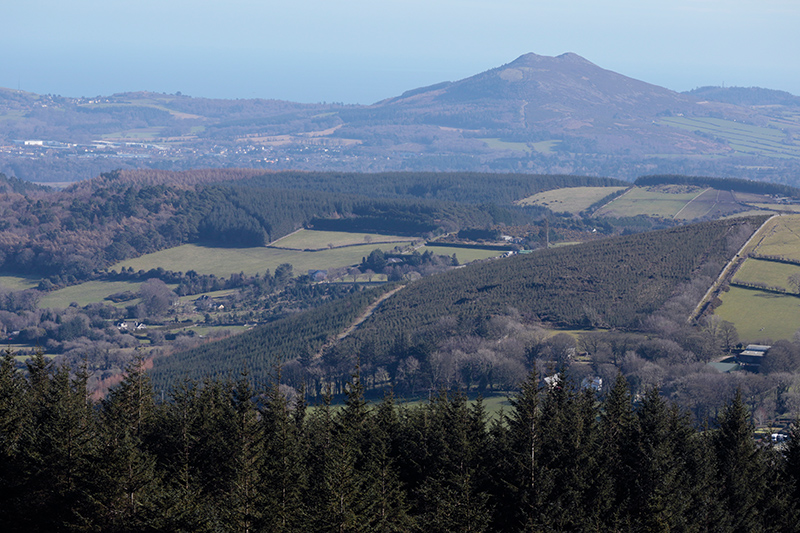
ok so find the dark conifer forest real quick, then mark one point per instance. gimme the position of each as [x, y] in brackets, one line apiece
[222, 456]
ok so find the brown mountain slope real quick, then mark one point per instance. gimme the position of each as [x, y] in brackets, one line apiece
[563, 95]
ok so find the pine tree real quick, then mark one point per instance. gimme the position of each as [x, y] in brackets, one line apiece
[518, 456]
[182, 506]
[282, 474]
[57, 448]
[129, 480]
[388, 510]
[741, 467]
[12, 429]
[452, 499]
[616, 440]
[791, 472]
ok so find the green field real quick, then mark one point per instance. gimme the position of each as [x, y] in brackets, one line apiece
[571, 200]
[546, 147]
[497, 144]
[18, 283]
[87, 293]
[769, 272]
[651, 201]
[141, 134]
[781, 237]
[760, 315]
[226, 261]
[744, 138]
[464, 255]
[317, 240]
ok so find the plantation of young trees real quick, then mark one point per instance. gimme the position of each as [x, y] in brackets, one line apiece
[218, 455]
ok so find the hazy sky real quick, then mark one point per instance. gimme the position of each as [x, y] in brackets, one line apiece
[361, 51]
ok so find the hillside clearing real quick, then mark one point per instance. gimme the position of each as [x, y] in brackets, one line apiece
[571, 200]
[304, 239]
[226, 261]
[88, 293]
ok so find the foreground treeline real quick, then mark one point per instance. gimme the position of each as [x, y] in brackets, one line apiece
[219, 456]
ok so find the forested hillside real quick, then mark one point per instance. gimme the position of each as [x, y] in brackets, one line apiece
[616, 282]
[259, 351]
[612, 283]
[67, 235]
[222, 456]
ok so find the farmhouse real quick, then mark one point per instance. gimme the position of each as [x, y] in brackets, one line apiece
[752, 356]
[131, 325]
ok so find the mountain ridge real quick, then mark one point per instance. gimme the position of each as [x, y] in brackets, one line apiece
[535, 114]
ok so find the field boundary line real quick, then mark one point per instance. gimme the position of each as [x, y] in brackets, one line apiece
[692, 200]
[287, 235]
[727, 272]
[613, 200]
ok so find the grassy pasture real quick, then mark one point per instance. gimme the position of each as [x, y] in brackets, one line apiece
[572, 199]
[88, 293]
[546, 147]
[769, 272]
[464, 255]
[781, 237]
[777, 207]
[745, 138]
[317, 240]
[700, 205]
[497, 144]
[759, 314]
[18, 283]
[652, 201]
[226, 261]
[141, 134]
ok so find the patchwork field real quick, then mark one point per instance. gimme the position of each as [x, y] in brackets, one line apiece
[87, 293]
[318, 240]
[497, 144]
[226, 261]
[781, 237]
[760, 315]
[652, 201]
[674, 201]
[743, 138]
[769, 272]
[571, 200]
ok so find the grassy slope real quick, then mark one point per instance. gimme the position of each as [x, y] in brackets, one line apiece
[572, 199]
[18, 283]
[769, 272]
[760, 315]
[648, 201]
[312, 239]
[225, 261]
[87, 293]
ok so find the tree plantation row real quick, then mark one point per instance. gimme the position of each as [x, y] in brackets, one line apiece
[221, 456]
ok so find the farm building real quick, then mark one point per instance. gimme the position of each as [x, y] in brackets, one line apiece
[751, 357]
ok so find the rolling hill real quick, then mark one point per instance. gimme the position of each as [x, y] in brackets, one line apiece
[536, 114]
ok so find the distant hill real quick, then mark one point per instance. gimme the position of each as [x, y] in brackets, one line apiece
[535, 90]
[536, 114]
[745, 96]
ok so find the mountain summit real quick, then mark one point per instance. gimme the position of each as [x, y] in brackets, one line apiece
[535, 96]
[542, 114]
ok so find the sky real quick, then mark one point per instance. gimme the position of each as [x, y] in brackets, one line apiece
[362, 51]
